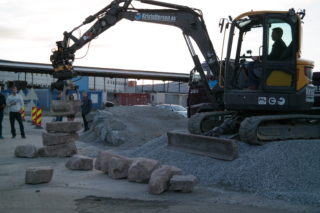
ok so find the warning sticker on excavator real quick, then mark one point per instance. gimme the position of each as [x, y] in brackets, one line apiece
[281, 101]
[271, 101]
[310, 91]
[262, 100]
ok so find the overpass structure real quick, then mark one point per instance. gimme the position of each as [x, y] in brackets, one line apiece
[40, 68]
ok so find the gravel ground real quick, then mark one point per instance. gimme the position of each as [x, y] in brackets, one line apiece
[280, 170]
[93, 191]
[288, 170]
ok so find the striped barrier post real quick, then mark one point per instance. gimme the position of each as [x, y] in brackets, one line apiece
[38, 118]
[33, 115]
[22, 113]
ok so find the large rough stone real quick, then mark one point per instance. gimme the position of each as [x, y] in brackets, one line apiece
[159, 180]
[79, 162]
[103, 160]
[141, 169]
[119, 166]
[183, 183]
[60, 150]
[107, 128]
[100, 118]
[64, 127]
[49, 139]
[111, 132]
[65, 107]
[26, 151]
[113, 137]
[37, 175]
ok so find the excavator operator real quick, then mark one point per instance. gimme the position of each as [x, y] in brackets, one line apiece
[277, 51]
[278, 47]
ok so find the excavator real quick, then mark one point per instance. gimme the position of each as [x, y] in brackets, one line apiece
[280, 107]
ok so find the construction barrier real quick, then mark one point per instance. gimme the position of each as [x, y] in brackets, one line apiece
[33, 115]
[22, 113]
[38, 118]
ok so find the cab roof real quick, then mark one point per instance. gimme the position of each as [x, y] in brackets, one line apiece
[255, 13]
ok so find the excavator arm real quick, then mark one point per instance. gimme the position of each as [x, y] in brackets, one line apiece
[63, 57]
[189, 20]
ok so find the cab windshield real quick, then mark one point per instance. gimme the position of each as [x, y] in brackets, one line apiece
[251, 30]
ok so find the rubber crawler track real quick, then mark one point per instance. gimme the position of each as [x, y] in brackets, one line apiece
[249, 126]
[195, 122]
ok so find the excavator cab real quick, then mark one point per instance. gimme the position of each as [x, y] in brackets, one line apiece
[268, 90]
[263, 68]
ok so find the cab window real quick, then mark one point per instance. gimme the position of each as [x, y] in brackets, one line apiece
[279, 40]
[252, 41]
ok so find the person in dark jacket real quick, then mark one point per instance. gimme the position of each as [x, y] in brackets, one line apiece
[278, 47]
[2, 106]
[86, 106]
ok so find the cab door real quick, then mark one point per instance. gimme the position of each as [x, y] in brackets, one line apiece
[280, 45]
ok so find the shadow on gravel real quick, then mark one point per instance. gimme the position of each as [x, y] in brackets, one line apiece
[92, 204]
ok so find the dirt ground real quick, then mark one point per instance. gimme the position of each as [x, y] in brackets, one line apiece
[95, 192]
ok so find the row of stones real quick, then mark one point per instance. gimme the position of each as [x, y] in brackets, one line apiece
[160, 178]
[142, 170]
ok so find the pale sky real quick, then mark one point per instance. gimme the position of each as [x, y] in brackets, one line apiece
[30, 28]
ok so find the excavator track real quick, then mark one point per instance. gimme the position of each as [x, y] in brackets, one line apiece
[258, 130]
[205, 121]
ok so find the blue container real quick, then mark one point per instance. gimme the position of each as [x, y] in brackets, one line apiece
[6, 92]
[45, 97]
[82, 82]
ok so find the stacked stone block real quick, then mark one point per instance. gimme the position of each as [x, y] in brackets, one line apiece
[59, 140]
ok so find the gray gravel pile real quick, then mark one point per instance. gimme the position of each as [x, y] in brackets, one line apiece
[131, 126]
[280, 170]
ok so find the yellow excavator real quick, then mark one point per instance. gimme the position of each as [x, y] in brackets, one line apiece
[267, 95]
[257, 94]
